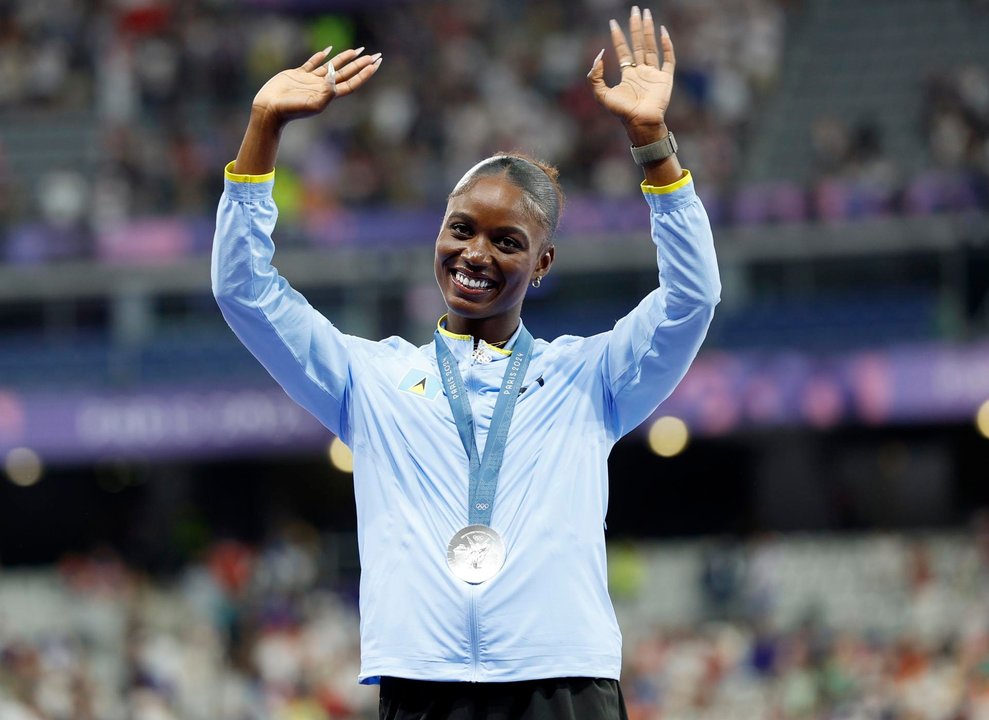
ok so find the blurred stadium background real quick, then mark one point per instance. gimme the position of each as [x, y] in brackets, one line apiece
[798, 533]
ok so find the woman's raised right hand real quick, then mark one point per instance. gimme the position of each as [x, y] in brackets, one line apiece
[307, 90]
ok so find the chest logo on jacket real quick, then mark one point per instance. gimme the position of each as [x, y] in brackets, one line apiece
[421, 383]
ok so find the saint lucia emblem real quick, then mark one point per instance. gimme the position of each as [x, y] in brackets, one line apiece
[420, 382]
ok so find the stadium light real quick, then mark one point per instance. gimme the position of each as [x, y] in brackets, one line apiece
[23, 466]
[982, 419]
[340, 456]
[668, 436]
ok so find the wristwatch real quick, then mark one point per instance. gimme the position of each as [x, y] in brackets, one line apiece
[659, 150]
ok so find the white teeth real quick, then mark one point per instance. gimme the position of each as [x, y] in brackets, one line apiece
[473, 283]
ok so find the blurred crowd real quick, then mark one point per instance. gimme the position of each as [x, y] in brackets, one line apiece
[244, 633]
[911, 643]
[143, 102]
[732, 671]
[255, 633]
[855, 174]
[118, 110]
[115, 111]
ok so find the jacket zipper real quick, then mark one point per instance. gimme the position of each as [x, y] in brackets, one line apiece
[474, 632]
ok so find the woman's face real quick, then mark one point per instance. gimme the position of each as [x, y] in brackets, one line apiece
[488, 250]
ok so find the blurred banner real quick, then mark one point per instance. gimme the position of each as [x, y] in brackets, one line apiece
[722, 393]
[904, 384]
[159, 423]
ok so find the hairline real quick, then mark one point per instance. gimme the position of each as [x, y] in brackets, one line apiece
[529, 204]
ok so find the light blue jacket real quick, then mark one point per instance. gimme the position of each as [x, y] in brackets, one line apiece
[547, 613]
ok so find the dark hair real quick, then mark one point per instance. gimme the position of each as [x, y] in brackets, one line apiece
[541, 192]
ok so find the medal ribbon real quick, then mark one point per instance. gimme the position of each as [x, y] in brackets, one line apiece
[483, 472]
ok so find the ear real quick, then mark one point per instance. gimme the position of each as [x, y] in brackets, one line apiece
[545, 260]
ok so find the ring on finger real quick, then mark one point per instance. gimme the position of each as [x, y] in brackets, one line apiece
[627, 63]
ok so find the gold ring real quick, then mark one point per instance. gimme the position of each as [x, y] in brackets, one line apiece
[627, 63]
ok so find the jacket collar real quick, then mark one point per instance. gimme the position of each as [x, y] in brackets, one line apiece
[464, 344]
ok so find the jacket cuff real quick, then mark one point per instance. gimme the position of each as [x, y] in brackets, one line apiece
[664, 198]
[247, 188]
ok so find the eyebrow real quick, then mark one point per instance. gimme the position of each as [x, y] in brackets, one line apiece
[508, 229]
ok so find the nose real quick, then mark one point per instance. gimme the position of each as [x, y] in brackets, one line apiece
[476, 252]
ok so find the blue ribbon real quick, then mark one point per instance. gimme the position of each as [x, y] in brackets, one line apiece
[483, 472]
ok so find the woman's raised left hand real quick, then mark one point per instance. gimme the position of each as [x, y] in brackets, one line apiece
[641, 98]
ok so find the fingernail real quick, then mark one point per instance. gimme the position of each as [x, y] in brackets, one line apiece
[647, 14]
[635, 9]
[358, 51]
[376, 56]
[377, 62]
[327, 50]
[597, 59]
[613, 24]
[662, 29]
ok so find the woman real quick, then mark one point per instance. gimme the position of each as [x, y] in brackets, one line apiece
[480, 459]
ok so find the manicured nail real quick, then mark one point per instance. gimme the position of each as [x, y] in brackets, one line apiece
[597, 59]
[613, 24]
[358, 51]
[327, 50]
[377, 63]
[663, 31]
[647, 14]
[376, 56]
[635, 10]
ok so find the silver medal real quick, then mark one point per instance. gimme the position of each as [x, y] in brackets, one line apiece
[475, 554]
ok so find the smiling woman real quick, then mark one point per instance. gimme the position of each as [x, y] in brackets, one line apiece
[480, 501]
[488, 252]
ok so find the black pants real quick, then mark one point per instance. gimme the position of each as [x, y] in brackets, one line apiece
[554, 699]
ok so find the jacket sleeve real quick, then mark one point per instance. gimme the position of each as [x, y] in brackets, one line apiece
[303, 351]
[651, 348]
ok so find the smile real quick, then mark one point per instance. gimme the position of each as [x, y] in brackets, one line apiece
[470, 283]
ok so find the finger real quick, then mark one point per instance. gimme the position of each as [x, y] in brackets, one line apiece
[339, 61]
[353, 68]
[669, 57]
[649, 37]
[621, 47]
[346, 87]
[344, 57]
[596, 77]
[635, 30]
[312, 63]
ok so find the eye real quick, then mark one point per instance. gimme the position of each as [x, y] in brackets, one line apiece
[510, 242]
[460, 229]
